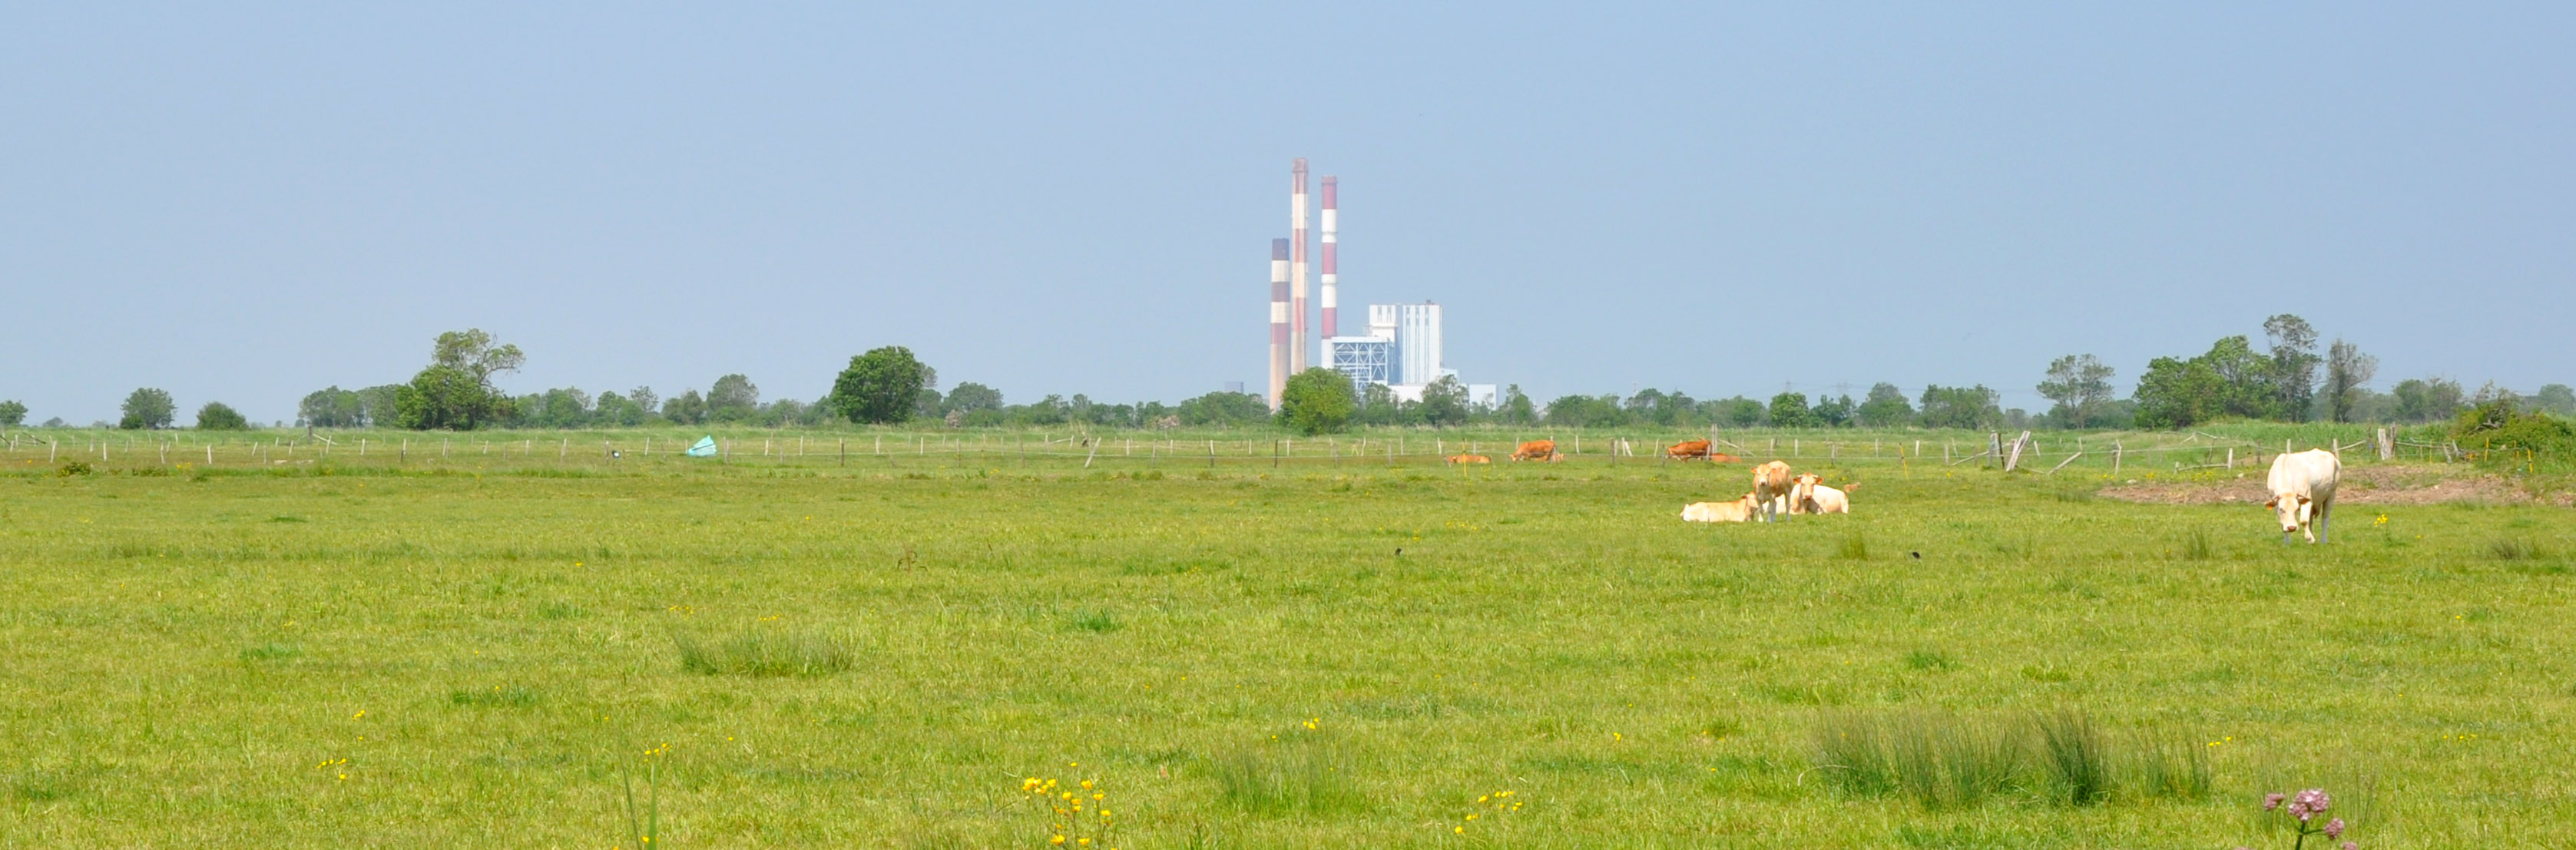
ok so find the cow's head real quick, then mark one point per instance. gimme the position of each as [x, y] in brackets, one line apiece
[2292, 511]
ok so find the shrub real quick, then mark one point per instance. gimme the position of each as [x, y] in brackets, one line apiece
[218, 416]
[768, 652]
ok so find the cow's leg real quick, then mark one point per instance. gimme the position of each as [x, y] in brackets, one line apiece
[2325, 514]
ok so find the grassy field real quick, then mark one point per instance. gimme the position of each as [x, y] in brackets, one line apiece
[487, 650]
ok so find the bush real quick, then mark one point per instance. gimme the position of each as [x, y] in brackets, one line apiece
[218, 416]
[1317, 401]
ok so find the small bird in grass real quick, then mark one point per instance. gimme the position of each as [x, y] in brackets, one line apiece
[1399, 550]
[1917, 555]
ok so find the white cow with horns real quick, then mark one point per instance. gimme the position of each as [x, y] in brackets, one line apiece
[2303, 490]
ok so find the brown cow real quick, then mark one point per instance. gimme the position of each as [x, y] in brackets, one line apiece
[1538, 450]
[1739, 510]
[1771, 486]
[1687, 449]
[1469, 459]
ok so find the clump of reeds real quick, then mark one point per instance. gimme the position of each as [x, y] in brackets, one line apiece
[1948, 761]
[768, 652]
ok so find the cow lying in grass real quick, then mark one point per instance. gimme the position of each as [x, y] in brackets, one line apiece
[1810, 496]
[1469, 459]
[1739, 510]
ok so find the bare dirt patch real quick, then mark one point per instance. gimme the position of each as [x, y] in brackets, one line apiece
[2362, 485]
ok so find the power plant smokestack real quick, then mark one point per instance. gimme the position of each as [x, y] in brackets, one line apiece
[1278, 320]
[1297, 266]
[1331, 328]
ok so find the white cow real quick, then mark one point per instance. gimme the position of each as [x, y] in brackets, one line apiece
[2303, 488]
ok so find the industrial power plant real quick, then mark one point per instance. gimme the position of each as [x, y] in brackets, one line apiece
[1399, 348]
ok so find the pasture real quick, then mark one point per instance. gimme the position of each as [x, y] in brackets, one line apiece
[490, 651]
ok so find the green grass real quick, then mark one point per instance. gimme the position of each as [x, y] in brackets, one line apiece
[879, 654]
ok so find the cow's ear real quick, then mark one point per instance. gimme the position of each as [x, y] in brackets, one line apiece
[2304, 500]
[2273, 502]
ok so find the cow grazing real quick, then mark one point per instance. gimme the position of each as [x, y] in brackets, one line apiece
[1469, 459]
[2303, 489]
[1538, 450]
[1810, 496]
[1739, 510]
[1686, 450]
[1771, 486]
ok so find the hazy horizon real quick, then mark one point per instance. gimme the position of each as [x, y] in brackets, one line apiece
[248, 204]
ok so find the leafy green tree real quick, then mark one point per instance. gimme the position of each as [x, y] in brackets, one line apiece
[2294, 365]
[2348, 372]
[12, 414]
[1885, 407]
[688, 408]
[1316, 401]
[2425, 400]
[2081, 386]
[1737, 412]
[450, 399]
[1516, 408]
[1380, 406]
[1586, 411]
[735, 399]
[2552, 398]
[148, 408]
[645, 400]
[1835, 412]
[473, 352]
[970, 397]
[880, 386]
[1960, 407]
[2177, 393]
[1444, 402]
[1789, 410]
[378, 406]
[616, 410]
[218, 416]
[456, 392]
[331, 407]
[566, 407]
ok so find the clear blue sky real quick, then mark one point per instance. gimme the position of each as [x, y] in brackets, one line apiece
[246, 202]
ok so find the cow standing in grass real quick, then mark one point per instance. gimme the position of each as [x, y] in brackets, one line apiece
[1771, 487]
[1538, 450]
[2303, 489]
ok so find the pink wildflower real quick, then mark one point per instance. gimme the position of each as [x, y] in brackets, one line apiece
[2334, 828]
[2272, 801]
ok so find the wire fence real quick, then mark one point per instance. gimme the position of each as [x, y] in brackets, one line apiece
[2048, 454]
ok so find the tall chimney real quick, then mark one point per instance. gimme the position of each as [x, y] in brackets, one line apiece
[1278, 320]
[1297, 268]
[1331, 328]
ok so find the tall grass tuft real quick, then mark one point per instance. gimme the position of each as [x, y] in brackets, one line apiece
[1853, 548]
[2511, 549]
[2078, 766]
[2196, 546]
[768, 652]
[2169, 766]
[1940, 761]
[1299, 774]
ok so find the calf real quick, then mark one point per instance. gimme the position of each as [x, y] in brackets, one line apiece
[2303, 489]
[1469, 459]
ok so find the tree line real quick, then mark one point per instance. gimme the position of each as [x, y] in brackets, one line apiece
[2289, 380]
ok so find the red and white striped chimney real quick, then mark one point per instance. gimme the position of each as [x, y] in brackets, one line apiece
[1278, 320]
[1297, 267]
[1331, 302]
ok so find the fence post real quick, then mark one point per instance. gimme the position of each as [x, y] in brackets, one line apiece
[2116, 451]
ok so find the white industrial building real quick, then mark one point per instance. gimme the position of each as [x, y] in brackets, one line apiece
[1401, 351]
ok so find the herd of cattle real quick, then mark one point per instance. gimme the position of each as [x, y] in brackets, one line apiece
[2302, 486]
